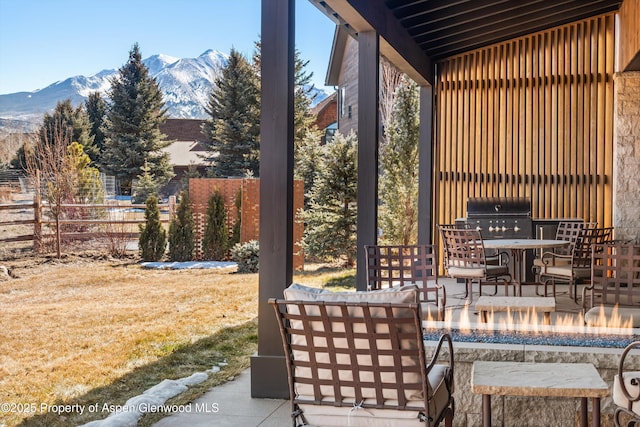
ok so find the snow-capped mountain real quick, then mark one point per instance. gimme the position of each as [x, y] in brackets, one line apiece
[185, 83]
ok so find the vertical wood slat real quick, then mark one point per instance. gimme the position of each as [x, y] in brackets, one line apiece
[530, 117]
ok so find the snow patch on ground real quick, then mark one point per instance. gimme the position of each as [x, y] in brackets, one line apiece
[128, 414]
[189, 265]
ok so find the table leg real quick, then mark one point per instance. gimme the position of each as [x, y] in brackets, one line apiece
[596, 411]
[486, 410]
[584, 422]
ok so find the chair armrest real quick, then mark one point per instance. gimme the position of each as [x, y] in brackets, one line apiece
[436, 353]
[550, 257]
[634, 381]
[590, 287]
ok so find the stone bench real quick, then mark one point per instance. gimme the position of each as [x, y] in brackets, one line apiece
[544, 305]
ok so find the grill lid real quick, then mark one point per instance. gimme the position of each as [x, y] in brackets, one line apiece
[498, 206]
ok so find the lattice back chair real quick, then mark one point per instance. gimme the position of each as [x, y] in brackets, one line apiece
[569, 231]
[626, 391]
[362, 364]
[398, 265]
[466, 259]
[614, 292]
[555, 267]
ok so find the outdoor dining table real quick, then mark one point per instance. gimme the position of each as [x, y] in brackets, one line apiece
[517, 248]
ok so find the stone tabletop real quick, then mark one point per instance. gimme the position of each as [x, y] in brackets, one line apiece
[503, 303]
[523, 243]
[537, 379]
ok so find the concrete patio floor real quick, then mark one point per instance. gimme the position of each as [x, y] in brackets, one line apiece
[231, 404]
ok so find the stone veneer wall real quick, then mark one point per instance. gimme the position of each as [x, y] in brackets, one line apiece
[529, 411]
[626, 155]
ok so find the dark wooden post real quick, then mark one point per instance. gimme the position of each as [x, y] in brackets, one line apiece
[425, 172]
[37, 215]
[268, 369]
[368, 122]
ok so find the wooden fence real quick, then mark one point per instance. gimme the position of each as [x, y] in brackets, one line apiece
[77, 221]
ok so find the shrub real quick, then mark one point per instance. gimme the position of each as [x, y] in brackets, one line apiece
[247, 256]
[153, 238]
[181, 231]
[215, 242]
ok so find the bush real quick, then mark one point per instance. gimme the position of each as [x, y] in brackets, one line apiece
[247, 256]
[153, 238]
[181, 231]
[215, 242]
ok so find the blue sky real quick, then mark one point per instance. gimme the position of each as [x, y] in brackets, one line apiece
[43, 41]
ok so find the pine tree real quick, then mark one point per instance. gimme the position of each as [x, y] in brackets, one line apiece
[215, 242]
[233, 130]
[181, 231]
[399, 165]
[145, 186]
[96, 111]
[76, 125]
[132, 132]
[153, 238]
[330, 230]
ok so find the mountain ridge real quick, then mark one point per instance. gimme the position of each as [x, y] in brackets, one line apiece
[185, 84]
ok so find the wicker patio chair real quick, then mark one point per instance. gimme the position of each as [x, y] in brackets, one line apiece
[466, 259]
[575, 267]
[626, 392]
[398, 265]
[362, 364]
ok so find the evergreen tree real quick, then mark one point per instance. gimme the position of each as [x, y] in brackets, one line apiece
[399, 165]
[132, 132]
[96, 111]
[181, 231]
[237, 226]
[192, 172]
[76, 126]
[153, 238]
[308, 156]
[330, 230]
[145, 186]
[233, 130]
[215, 242]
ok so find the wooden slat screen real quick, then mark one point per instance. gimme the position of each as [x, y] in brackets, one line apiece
[531, 117]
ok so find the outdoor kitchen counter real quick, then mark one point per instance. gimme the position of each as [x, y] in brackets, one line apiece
[580, 380]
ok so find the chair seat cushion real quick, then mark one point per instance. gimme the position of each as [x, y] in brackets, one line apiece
[565, 271]
[596, 316]
[538, 262]
[634, 390]
[336, 416]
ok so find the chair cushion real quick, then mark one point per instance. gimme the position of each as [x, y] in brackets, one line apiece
[634, 390]
[466, 273]
[538, 262]
[395, 294]
[596, 315]
[335, 416]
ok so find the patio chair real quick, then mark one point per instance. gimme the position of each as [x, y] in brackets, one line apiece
[351, 362]
[398, 265]
[614, 291]
[466, 259]
[575, 267]
[626, 392]
[569, 231]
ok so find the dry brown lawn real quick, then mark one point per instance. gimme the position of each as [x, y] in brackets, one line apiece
[85, 331]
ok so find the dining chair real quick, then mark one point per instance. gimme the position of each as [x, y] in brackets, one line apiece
[398, 265]
[568, 231]
[466, 259]
[573, 268]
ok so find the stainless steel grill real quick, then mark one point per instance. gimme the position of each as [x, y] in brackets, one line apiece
[500, 218]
